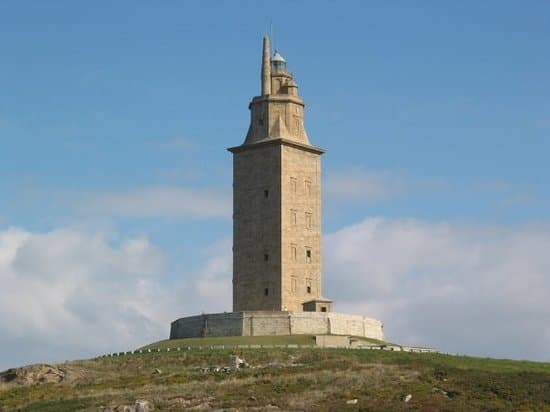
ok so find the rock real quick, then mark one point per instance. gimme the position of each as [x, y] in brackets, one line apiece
[144, 406]
[205, 406]
[8, 376]
[29, 375]
[352, 401]
[157, 371]
[268, 407]
[407, 398]
[118, 408]
[139, 406]
[447, 394]
[180, 401]
[237, 362]
[441, 391]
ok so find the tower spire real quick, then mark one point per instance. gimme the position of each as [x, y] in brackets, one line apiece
[266, 68]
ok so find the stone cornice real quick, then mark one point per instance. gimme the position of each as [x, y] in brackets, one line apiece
[277, 98]
[276, 141]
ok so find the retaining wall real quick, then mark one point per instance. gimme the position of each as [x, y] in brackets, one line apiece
[260, 323]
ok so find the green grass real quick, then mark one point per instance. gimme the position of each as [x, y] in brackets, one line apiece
[60, 405]
[233, 341]
[304, 379]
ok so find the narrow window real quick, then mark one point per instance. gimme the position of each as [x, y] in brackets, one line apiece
[308, 220]
[308, 188]
[293, 284]
[261, 122]
[266, 291]
[323, 308]
[293, 184]
[293, 218]
[308, 255]
[293, 252]
[308, 286]
[266, 193]
[266, 257]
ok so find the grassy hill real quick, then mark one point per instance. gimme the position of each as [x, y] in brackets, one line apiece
[279, 379]
[233, 341]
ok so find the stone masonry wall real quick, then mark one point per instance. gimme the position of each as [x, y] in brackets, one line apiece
[301, 227]
[224, 324]
[257, 229]
[265, 323]
[260, 323]
[189, 327]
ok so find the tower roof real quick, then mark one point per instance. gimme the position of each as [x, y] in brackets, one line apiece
[278, 58]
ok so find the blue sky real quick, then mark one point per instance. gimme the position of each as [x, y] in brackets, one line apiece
[115, 116]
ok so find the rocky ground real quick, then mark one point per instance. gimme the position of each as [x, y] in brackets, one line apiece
[279, 380]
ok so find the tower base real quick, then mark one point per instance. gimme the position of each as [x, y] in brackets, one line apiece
[262, 323]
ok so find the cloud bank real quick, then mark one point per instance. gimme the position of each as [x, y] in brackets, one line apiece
[69, 294]
[472, 289]
[66, 294]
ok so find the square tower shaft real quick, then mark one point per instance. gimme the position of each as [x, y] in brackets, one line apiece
[276, 226]
[277, 202]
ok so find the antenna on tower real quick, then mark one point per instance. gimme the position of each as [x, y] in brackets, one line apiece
[271, 35]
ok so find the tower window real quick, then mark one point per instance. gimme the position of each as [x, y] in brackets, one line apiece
[266, 193]
[308, 286]
[308, 220]
[266, 257]
[293, 252]
[293, 283]
[308, 188]
[293, 184]
[266, 292]
[323, 308]
[293, 218]
[308, 255]
[261, 122]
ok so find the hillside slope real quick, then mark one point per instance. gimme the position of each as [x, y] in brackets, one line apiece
[279, 379]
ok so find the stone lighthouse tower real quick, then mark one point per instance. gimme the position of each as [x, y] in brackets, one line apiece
[277, 273]
[277, 202]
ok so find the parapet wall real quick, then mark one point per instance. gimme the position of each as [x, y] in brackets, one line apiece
[259, 323]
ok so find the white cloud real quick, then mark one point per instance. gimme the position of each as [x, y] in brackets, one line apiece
[162, 201]
[66, 293]
[208, 289]
[463, 288]
[214, 281]
[472, 289]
